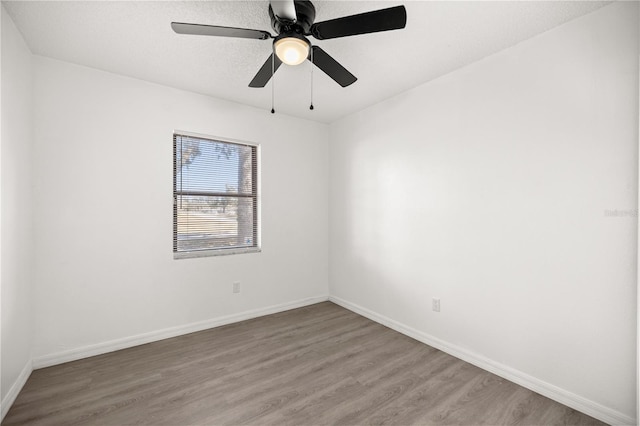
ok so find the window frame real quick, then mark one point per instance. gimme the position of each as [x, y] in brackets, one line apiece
[257, 205]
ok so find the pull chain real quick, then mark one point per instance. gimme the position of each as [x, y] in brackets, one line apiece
[311, 106]
[273, 81]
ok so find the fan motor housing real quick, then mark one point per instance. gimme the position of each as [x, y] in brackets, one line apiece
[291, 35]
[306, 15]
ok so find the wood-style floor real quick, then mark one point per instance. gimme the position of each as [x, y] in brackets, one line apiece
[316, 365]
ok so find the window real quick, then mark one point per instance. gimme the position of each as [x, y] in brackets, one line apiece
[215, 196]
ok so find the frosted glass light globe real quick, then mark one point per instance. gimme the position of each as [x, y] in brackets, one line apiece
[291, 50]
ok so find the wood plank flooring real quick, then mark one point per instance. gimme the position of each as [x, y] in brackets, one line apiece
[317, 365]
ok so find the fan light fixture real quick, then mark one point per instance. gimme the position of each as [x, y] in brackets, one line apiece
[291, 50]
[295, 20]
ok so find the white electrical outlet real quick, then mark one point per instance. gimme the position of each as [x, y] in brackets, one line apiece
[435, 305]
[236, 287]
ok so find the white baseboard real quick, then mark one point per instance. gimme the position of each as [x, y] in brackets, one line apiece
[153, 336]
[562, 396]
[15, 389]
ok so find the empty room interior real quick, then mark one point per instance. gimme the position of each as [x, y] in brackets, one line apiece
[326, 212]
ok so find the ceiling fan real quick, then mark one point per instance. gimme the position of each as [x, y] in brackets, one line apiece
[293, 21]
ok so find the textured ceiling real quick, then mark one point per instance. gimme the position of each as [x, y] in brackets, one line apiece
[134, 38]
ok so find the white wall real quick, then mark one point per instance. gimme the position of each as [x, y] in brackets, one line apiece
[16, 200]
[103, 212]
[487, 188]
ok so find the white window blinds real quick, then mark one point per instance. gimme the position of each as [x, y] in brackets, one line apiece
[215, 197]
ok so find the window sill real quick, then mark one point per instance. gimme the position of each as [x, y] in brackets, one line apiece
[212, 253]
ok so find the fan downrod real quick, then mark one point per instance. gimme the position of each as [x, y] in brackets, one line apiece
[306, 15]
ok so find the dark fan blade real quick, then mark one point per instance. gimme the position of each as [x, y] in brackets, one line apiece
[332, 68]
[264, 74]
[212, 30]
[392, 18]
[284, 9]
